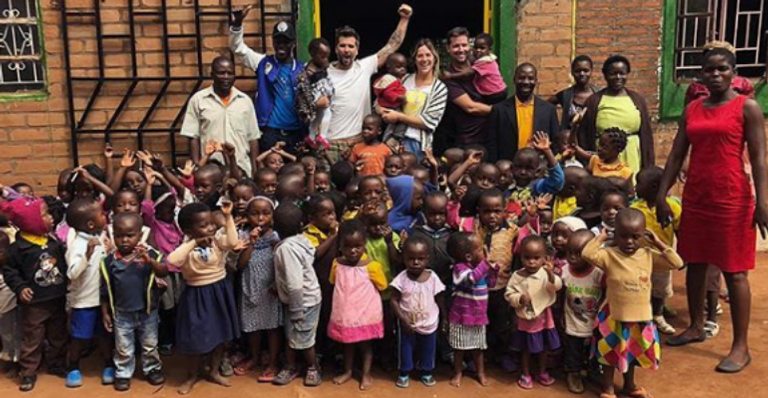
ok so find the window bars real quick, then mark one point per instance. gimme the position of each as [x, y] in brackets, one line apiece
[742, 23]
[21, 64]
[203, 16]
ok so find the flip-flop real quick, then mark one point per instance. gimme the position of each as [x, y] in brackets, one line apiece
[267, 376]
[244, 367]
[638, 392]
[679, 340]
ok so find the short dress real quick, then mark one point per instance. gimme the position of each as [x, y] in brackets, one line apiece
[260, 307]
[624, 344]
[357, 313]
[536, 335]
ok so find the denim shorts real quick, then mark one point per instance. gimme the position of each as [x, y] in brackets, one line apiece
[301, 334]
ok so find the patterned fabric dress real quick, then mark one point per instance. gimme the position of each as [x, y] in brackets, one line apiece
[624, 344]
[260, 308]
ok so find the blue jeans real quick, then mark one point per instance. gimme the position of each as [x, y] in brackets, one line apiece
[413, 146]
[416, 350]
[126, 324]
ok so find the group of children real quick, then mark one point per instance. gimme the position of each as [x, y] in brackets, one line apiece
[554, 266]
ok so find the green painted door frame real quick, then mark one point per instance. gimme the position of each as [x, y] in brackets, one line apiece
[503, 28]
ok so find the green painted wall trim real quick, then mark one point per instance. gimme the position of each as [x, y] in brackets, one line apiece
[42, 94]
[305, 27]
[672, 93]
[505, 17]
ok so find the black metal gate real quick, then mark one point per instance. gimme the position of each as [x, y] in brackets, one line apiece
[78, 115]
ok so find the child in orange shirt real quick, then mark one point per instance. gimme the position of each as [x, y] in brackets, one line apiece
[369, 155]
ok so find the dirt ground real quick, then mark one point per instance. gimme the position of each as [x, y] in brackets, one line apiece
[685, 372]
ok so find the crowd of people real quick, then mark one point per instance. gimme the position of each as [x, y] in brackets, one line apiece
[318, 224]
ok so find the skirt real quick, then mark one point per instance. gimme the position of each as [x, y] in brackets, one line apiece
[624, 344]
[467, 337]
[206, 318]
[536, 342]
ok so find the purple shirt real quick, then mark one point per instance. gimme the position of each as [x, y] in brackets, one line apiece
[470, 295]
[166, 237]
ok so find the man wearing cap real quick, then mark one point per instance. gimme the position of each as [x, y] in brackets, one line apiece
[276, 75]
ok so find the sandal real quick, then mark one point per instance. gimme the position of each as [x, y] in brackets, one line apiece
[607, 395]
[267, 376]
[638, 392]
[545, 379]
[428, 380]
[243, 367]
[525, 382]
[403, 381]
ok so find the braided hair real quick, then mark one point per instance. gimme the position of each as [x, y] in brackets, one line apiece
[617, 138]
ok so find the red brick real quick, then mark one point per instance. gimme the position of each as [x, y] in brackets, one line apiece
[20, 135]
[16, 151]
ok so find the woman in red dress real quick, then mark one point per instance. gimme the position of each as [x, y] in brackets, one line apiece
[720, 215]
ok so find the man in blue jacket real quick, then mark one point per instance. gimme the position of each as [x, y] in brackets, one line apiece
[276, 75]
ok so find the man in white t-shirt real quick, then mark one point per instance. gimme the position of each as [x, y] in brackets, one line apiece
[351, 81]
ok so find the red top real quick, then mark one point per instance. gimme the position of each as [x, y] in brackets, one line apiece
[717, 222]
[739, 84]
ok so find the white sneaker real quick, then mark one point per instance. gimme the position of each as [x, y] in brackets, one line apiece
[712, 329]
[663, 326]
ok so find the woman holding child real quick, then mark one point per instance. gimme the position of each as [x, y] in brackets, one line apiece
[425, 100]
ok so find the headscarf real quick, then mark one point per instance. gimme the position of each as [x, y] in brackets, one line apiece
[401, 190]
[573, 223]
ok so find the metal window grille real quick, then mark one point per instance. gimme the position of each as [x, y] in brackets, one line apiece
[140, 15]
[21, 64]
[742, 23]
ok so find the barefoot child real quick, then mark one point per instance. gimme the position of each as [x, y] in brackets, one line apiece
[260, 310]
[627, 336]
[472, 275]
[357, 316]
[207, 304]
[532, 291]
[417, 302]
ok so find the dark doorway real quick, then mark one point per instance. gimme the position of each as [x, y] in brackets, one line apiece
[375, 20]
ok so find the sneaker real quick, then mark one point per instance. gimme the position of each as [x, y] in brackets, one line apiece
[403, 381]
[108, 376]
[662, 325]
[27, 383]
[74, 379]
[575, 383]
[719, 310]
[156, 377]
[285, 377]
[166, 350]
[428, 380]
[313, 378]
[545, 379]
[122, 384]
[712, 329]
[525, 382]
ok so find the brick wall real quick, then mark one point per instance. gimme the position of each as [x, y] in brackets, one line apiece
[34, 135]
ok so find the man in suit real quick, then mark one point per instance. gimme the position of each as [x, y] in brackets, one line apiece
[512, 122]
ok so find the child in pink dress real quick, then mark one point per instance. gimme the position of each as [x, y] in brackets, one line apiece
[356, 315]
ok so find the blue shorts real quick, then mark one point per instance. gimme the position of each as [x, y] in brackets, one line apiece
[84, 322]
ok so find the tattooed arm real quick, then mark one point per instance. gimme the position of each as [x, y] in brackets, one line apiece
[397, 37]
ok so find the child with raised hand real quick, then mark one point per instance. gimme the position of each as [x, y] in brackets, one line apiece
[626, 335]
[369, 156]
[485, 73]
[611, 203]
[90, 180]
[314, 93]
[390, 92]
[129, 175]
[532, 291]
[525, 167]
[84, 256]
[648, 181]
[357, 315]
[260, 310]
[130, 301]
[207, 304]
[583, 285]
[274, 158]
[606, 162]
[36, 272]
[299, 291]
[468, 317]
[418, 303]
